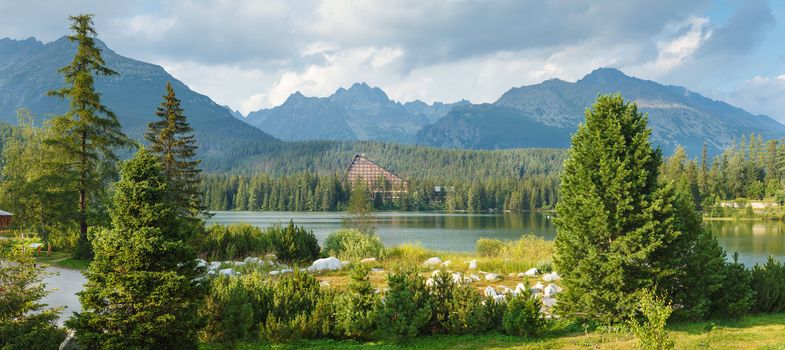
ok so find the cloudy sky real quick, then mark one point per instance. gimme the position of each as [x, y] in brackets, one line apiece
[253, 54]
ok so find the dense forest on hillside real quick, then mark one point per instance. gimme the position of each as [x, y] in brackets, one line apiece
[308, 176]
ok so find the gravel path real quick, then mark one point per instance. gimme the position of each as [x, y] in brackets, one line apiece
[64, 284]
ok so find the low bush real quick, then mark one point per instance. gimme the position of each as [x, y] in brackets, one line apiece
[234, 241]
[237, 241]
[410, 252]
[522, 316]
[736, 297]
[441, 295]
[293, 243]
[471, 313]
[355, 310]
[298, 309]
[353, 245]
[405, 310]
[228, 312]
[768, 282]
[649, 326]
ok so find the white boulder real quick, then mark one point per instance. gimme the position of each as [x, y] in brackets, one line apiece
[287, 271]
[548, 302]
[368, 260]
[326, 264]
[490, 292]
[538, 286]
[226, 272]
[492, 277]
[429, 282]
[457, 278]
[520, 288]
[376, 270]
[551, 277]
[447, 263]
[531, 272]
[432, 262]
[275, 273]
[239, 263]
[201, 263]
[499, 298]
[474, 277]
[472, 265]
[215, 265]
[324, 283]
[551, 290]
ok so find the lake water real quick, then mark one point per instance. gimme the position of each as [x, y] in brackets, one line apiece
[754, 241]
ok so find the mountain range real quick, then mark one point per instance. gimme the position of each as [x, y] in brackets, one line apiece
[540, 115]
[28, 69]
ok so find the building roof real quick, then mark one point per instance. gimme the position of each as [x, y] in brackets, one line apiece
[5, 213]
[361, 158]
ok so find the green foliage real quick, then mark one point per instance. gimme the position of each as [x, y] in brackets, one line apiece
[768, 282]
[355, 310]
[737, 295]
[649, 323]
[144, 263]
[293, 243]
[172, 139]
[234, 241]
[620, 231]
[88, 132]
[360, 210]
[522, 316]
[471, 313]
[353, 245]
[529, 247]
[25, 323]
[406, 309]
[298, 309]
[35, 186]
[228, 312]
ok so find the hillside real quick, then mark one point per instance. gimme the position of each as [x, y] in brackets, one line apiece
[28, 69]
[676, 116]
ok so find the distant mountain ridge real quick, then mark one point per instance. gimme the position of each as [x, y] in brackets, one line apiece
[360, 112]
[28, 69]
[540, 115]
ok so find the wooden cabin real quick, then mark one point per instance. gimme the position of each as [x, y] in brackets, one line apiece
[5, 220]
[377, 179]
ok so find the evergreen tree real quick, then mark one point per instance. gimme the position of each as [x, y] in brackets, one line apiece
[618, 229]
[25, 323]
[35, 186]
[142, 287]
[173, 140]
[360, 210]
[88, 132]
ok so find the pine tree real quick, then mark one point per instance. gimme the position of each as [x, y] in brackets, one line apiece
[142, 286]
[360, 210]
[173, 140]
[88, 132]
[619, 231]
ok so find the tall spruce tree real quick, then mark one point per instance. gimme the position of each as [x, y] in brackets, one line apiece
[142, 286]
[88, 133]
[172, 138]
[619, 231]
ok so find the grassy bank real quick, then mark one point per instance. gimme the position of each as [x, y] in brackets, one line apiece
[763, 332]
[62, 259]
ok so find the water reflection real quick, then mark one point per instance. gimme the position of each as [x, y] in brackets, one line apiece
[458, 232]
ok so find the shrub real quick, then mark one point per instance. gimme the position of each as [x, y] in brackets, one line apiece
[470, 312]
[260, 295]
[228, 312]
[297, 309]
[650, 328]
[488, 247]
[410, 252]
[441, 296]
[293, 243]
[768, 282]
[405, 310]
[232, 241]
[522, 316]
[736, 296]
[353, 245]
[355, 310]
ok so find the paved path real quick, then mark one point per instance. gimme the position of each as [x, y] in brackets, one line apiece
[64, 284]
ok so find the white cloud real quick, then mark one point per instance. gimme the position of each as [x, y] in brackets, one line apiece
[762, 95]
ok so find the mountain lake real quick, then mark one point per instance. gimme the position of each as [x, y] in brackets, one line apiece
[753, 240]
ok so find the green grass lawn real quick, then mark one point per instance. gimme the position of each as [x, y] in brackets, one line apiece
[62, 259]
[765, 332]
